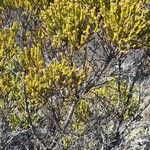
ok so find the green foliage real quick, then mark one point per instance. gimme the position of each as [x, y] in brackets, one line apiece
[118, 96]
[26, 75]
[71, 21]
[126, 23]
[66, 141]
[27, 4]
[81, 116]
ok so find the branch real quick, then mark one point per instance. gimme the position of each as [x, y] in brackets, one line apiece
[69, 115]
[29, 117]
